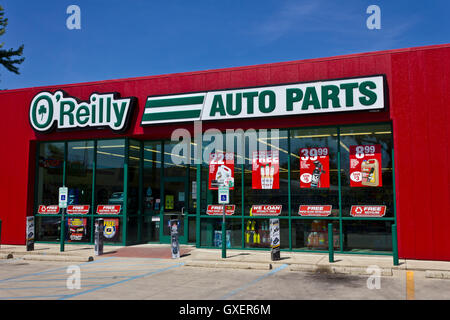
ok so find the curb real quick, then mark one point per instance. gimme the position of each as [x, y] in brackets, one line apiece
[355, 270]
[227, 264]
[41, 253]
[437, 274]
[55, 258]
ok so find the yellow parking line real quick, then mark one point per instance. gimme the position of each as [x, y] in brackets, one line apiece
[409, 285]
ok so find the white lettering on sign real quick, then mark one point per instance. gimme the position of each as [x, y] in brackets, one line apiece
[361, 94]
[48, 110]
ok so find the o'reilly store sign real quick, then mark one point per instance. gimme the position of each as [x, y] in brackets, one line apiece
[356, 94]
[50, 110]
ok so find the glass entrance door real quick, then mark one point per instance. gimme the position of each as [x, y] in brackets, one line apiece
[175, 206]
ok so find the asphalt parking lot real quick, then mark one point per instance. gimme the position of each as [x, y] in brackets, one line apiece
[125, 278]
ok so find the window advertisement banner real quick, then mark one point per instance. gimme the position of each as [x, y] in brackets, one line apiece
[77, 226]
[108, 209]
[368, 211]
[265, 170]
[217, 210]
[266, 210]
[77, 229]
[365, 166]
[221, 170]
[78, 209]
[314, 211]
[111, 229]
[52, 209]
[314, 168]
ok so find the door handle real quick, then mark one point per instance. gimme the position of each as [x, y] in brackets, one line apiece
[182, 211]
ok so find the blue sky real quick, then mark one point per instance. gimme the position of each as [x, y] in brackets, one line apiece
[133, 38]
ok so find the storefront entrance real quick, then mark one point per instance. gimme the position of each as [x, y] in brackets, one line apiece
[175, 194]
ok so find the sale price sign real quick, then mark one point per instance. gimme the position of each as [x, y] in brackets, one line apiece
[265, 170]
[365, 166]
[314, 168]
[221, 170]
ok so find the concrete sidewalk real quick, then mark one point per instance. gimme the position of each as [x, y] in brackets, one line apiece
[242, 259]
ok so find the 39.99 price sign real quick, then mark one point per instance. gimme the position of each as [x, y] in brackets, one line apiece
[365, 166]
[314, 168]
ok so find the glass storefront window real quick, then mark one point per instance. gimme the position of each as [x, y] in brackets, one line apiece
[211, 233]
[309, 181]
[309, 234]
[314, 171]
[110, 173]
[134, 163]
[48, 228]
[257, 233]
[152, 178]
[212, 148]
[264, 191]
[366, 151]
[367, 236]
[50, 172]
[80, 155]
[176, 163]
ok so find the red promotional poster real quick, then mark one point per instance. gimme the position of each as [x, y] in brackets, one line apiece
[221, 170]
[48, 209]
[266, 210]
[314, 211]
[368, 211]
[78, 209]
[108, 209]
[314, 168]
[265, 170]
[365, 166]
[217, 210]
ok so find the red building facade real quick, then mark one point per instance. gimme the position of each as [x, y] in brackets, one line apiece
[416, 84]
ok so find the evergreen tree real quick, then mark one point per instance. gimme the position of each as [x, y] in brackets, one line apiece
[9, 58]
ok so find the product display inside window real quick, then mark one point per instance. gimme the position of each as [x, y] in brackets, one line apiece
[313, 234]
[211, 233]
[257, 233]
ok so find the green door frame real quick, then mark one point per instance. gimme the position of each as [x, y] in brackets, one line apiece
[183, 238]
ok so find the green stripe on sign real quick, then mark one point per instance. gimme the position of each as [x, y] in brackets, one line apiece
[174, 102]
[171, 115]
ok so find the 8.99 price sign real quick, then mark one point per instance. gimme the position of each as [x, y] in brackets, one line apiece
[314, 168]
[365, 166]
